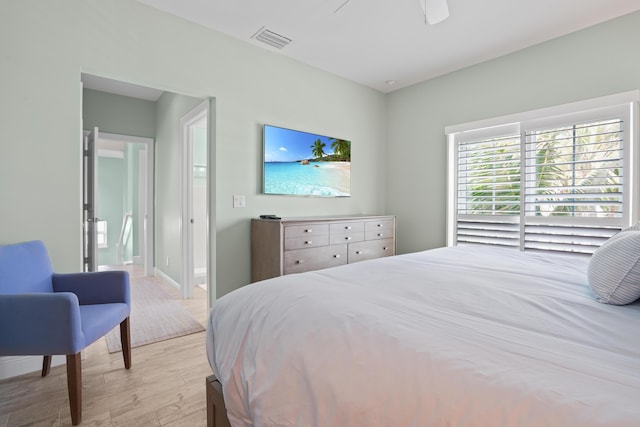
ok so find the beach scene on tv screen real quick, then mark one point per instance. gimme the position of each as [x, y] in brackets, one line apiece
[305, 164]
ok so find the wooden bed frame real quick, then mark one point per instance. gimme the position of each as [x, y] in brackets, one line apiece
[216, 410]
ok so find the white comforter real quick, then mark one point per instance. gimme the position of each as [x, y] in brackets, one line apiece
[449, 337]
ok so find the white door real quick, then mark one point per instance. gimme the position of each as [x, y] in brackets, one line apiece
[195, 235]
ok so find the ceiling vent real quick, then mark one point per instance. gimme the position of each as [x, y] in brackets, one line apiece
[272, 39]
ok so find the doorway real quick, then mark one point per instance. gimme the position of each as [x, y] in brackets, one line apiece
[120, 191]
[127, 108]
[195, 234]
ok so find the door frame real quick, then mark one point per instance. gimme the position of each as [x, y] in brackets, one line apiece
[200, 112]
[146, 220]
[89, 189]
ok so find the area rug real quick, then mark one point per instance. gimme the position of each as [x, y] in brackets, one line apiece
[155, 316]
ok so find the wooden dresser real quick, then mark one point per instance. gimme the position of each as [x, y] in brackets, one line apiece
[294, 245]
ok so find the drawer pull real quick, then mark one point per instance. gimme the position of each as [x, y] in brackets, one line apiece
[379, 225]
[384, 248]
[379, 234]
[347, 227]
[308, 230]
[299, 261]
[347, 238]
[308, 242]
[336, 256]
[358, 252]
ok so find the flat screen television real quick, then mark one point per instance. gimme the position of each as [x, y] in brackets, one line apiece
[305, 164]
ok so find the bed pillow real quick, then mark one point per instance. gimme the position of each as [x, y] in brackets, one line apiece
[614, 268]
[622, 233]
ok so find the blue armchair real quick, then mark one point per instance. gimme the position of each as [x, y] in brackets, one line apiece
[44, 313]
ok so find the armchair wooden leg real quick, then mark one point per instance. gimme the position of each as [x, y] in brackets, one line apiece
[125, 339]
[46, 365]
[74, 384]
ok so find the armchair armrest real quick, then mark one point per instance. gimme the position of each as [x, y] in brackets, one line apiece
[99, 287]
[40, 324]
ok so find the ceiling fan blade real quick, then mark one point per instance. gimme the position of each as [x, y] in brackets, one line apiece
[435, 11]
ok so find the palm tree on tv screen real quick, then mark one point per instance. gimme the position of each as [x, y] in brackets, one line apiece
[317, 149]
[342, 148]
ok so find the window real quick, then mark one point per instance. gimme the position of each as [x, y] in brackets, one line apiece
[553, 182]
[101, 233]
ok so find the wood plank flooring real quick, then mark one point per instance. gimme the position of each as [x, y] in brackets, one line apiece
[164, 387]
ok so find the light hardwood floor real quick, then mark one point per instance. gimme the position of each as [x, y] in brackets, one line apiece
[164, 387]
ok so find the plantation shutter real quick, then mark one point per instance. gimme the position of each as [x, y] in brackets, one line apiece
[561, 182]
[573, 186]
[488, 187]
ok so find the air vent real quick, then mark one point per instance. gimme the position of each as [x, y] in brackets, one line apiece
[272, 39]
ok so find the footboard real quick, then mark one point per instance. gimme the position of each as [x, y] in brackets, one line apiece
[216, 411]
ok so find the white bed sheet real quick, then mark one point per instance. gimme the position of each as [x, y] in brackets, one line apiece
[454, 337]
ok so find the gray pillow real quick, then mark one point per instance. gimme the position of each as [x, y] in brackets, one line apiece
[614, 268]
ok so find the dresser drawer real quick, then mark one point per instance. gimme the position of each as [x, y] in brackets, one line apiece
[371, 249]
[346, 232]
[346, 227]
[336, 239]
[305, 230]
[379, 230]
[309, 241]
[301, 260]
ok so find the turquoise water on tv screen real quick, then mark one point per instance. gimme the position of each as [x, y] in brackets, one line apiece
[328, 179]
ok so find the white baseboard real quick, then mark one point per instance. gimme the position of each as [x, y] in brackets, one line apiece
[12, 366]
[166, 278]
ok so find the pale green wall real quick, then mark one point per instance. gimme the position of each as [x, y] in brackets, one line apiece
[118, 114]
[111, 187]
[132, 202]
[598, 61]
[45, 46]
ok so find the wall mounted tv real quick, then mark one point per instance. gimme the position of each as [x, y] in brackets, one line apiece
[305, 164]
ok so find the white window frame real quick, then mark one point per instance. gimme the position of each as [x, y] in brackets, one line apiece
[625, 104]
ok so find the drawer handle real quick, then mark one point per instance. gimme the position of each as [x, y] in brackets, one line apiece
[347, 227]
[347, 238]
[380, 234]
[336, 256]
[308, 242]
[300, 261]
[308, 230]
[379, 225]
[358, 252]
[384, 248]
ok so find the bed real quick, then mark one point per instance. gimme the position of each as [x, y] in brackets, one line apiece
[459, 336]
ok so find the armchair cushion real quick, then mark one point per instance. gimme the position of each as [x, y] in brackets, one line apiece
[98, 319]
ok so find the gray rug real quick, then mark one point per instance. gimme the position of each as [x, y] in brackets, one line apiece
[155, 316]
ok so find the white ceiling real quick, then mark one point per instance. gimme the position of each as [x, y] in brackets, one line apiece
[375, 41]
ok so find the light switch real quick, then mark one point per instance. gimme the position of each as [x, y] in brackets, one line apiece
[239, 202]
